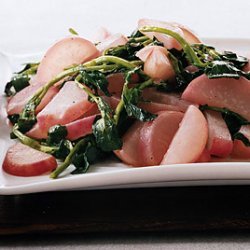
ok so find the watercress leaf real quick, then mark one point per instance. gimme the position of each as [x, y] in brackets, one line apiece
[136, 33]
[221, 69]
[95, 80]
[16, 84]
[27, 118]
[241, 137]
[106, 134]
[233, 120]
[63, 150]
[138, 113]
[126, 51]
[56, 134]
[238, 61]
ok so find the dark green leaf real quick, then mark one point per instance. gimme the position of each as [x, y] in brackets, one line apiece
[136, 33]
[56, 134]
[238, 61]
[95, 80]
[63, 150]
[126, 51]
[106, 134]
[220, 69]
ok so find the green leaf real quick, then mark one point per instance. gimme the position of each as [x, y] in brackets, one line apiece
[238, 61]
[56, 134]
[241, 137]
[222, 69]
[95, 80]
[63, 150]
[106, 134]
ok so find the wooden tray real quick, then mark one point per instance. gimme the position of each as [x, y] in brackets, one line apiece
[127, 210]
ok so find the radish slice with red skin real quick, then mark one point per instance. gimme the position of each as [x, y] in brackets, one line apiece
[240, 150]
[190, 140]
[229, 93]
[156, 62]
[22, 160]
[219, 139]
[68, 105]
[130, 153]
[156, 136]
[80, 128]
[154, 107]
[65, 53]
[19, 100]
[145, 143]
[205, 156]
[166, 98]
[112, 41]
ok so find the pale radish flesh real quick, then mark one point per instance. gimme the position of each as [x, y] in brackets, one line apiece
[219, 139]
[227, 93]
[156, 136]
[22, 160]
[166, 98]
[19, 100]
[130, 152]
[101, 35]
[156, 62]
[69, 104]
[65, 53]
[190, 140]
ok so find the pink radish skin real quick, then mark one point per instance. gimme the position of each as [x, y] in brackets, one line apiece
[240, 151]
[112, 41]
[219, 139]
[65, 53]
[190, 140]
[227, 93]
[156, 62]
[22, 160]
[69, 104]
[205, 156]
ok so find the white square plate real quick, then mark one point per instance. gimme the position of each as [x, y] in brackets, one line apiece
[113, 174]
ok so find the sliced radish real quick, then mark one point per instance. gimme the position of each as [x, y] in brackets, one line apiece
[101, 35]
[156, 136]
[65, 53]
[190, 140]
[69, 104]
[227, 93]
[240, 150]
[22, 160]
[166, 98]
[18, 101]
[130, 153]
[204, 157]
[112, 41]
[219, 139]
[156, 62]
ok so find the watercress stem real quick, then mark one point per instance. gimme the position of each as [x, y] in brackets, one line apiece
[32, 142]
[185, 45]
[68, 159]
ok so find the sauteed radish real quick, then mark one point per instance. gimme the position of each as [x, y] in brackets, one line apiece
[159, 96]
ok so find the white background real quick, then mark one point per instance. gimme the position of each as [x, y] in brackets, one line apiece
[27, 26]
